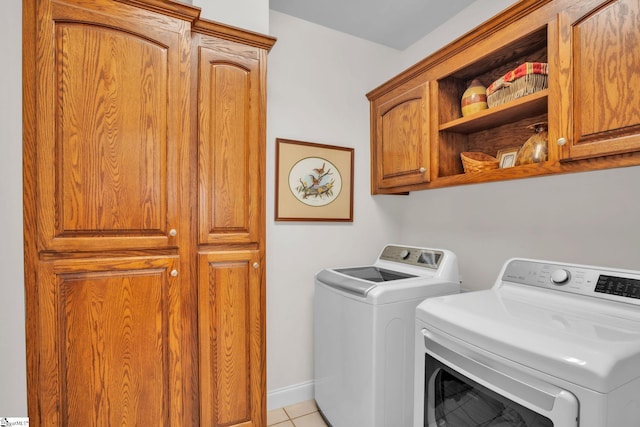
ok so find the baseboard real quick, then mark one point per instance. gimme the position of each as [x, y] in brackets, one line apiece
[290, 395]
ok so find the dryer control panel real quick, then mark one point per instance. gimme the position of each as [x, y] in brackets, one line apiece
[600, 282]
[622, 286]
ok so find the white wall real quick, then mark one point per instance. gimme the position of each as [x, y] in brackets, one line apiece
[467, 19]
[317, 80]
[13, 377]
[588, 218]
[250, 15]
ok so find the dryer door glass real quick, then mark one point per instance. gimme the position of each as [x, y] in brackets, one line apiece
[453, 400]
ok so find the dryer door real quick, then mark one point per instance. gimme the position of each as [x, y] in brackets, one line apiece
[464, 388]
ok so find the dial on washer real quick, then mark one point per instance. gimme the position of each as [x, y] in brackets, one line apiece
[560, 277]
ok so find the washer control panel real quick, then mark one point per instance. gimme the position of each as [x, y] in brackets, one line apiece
[617, 285]
[420, 257]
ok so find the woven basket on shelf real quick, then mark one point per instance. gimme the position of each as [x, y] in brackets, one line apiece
[526, 79]
[475, 161]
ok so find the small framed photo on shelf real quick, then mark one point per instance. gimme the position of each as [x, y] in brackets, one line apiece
[507, 157]
[314, 182]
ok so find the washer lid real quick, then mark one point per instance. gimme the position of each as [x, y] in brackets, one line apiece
[360, 280]
[374, 274]
[345, 283]
[574, 339]
[383, 292]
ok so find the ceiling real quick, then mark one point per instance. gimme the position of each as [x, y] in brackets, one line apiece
[394, 23]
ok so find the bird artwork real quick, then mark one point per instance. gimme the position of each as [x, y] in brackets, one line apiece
[318, 184]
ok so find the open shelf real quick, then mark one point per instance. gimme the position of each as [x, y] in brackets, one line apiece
[489, 131]
[527, 106]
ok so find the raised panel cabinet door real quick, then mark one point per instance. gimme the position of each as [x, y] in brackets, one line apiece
[111, 106]
[401, 139]
[231, 336]
[599, 63]
[230, 141]
[108, 337]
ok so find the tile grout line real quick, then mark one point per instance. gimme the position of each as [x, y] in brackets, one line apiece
[289, 418]
[291, 414]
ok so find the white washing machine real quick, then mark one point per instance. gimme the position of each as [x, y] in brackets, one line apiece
[364, 334]
[550, 344]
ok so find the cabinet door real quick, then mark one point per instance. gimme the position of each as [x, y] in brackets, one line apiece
[231, 127]
[599, 59]
[400, 142]
[231, 336]
[109, 336]
[111, 107]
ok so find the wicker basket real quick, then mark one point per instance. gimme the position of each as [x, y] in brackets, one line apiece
[475, 161]
[526, 79]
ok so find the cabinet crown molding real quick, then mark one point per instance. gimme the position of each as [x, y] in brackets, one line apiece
[200, 25]
[482, 31]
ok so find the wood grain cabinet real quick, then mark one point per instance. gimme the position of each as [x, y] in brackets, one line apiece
[400, 122]
[110, 344]
[108, 97]
[590, 105]
[230, 140]
[599, 79]
[231, 338]
[230, 184]
[144, 133]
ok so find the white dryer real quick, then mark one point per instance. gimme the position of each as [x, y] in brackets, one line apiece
[550, 344]
[364, 334]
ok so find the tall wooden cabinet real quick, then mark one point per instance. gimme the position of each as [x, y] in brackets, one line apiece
[144, 133]
[592, 49]
[231, 102]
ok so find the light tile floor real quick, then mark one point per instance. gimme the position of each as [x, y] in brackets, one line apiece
[304, 414]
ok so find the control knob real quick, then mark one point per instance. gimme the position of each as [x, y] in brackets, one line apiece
[404, 254]
[560, 277]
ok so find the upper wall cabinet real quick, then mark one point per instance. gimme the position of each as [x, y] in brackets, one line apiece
[401, 124]
[586, 97]
[598, 75]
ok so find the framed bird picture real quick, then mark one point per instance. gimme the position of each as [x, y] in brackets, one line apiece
[314, 182]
